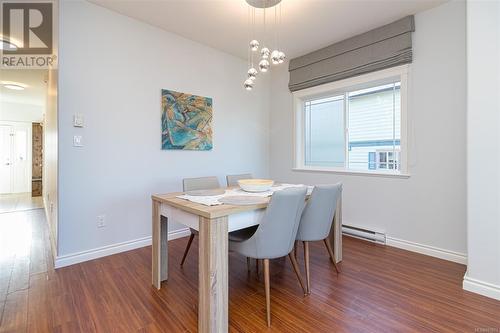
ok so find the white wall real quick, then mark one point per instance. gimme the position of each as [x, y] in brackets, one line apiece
[10, 111]
[49, 173]
[111, 70]
[483, 147]
[429, 208]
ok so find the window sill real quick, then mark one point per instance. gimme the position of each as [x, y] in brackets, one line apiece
[353, 172]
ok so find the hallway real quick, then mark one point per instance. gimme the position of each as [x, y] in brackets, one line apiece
[25, 255]
[18, 202]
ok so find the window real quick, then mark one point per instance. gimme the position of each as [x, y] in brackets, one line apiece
[387, 160]
[324, 131]
[354, 125]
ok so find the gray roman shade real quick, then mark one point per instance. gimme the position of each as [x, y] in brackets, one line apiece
[387, 46]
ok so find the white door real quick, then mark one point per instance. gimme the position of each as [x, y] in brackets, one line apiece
[6, 154]
[15, 157]
[22, 158]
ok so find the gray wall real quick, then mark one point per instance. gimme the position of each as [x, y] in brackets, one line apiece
[429, 208]
[483, 142]
[112, 69]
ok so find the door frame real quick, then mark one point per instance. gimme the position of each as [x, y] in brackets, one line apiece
[16, 187]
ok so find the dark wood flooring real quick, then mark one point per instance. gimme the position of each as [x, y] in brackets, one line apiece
[380, 289]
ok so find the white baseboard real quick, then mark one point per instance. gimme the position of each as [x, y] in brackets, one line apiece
[75, 258]
[432, 251]
[481, 287]
[179, 233]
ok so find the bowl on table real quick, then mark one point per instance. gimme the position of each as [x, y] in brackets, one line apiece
[255, 185]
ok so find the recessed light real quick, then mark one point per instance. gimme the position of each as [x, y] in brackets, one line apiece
[8, 46]
[13, 87]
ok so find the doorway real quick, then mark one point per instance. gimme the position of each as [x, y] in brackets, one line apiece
[28, 178]
[23, 96]
[14, 147]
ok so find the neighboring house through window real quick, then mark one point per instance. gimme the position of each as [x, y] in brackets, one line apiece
[354, 125]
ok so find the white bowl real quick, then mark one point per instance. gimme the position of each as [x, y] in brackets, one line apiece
[255, 185]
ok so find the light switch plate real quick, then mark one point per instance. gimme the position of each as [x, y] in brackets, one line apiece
[78, 120]
[101, 221]
[77, 141]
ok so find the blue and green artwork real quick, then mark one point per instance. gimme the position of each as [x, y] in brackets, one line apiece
[186, 121]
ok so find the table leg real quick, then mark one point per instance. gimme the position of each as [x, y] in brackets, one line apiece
[336, 231]
[160, 246]
[213, 275]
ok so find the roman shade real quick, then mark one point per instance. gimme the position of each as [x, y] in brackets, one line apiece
[387, 46]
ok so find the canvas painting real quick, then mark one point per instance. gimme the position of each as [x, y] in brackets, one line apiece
[186, 121]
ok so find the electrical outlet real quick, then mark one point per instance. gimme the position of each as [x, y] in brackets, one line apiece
[101, 221]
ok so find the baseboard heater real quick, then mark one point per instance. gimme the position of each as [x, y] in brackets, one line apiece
[370, 235]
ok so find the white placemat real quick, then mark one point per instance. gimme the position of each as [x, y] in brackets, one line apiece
[243, 200]
[214, 199]
[206, 193]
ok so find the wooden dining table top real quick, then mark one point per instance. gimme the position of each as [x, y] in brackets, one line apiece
[210, 212]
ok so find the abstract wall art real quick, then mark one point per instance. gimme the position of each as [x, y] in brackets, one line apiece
[186, 121]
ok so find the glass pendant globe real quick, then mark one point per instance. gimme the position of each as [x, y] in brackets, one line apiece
[275, 57]
[263, 65]
[252, 73]
[254, 45]
[281, 57]
[265, 53]
[248, 84]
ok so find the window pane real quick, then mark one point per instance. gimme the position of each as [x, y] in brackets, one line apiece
[324, 132]
[374, 124]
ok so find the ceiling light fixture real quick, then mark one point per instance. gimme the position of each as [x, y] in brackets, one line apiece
[267, 57]
[13, 85]
[7, 46]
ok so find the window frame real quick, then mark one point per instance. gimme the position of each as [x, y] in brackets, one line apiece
[300, 97]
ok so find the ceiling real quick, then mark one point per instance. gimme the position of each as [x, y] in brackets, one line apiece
[307, 25]
[36, 91]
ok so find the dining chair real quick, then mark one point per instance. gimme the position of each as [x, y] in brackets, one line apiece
[274, 237]
[232, 180]
[316, 222]
[192, 184]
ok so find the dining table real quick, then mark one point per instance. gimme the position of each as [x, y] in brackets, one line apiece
[213, 223]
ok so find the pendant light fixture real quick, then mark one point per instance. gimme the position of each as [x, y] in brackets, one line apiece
[261, 49]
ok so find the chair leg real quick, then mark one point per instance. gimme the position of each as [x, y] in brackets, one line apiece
[306, 260]
[330, 253]
[295, 248]
[257, 267]
[248, 264]
[297, 272]
[268, 292]
[187, 248]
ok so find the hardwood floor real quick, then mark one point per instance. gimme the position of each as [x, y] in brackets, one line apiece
[19, 201]
[380, 289]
